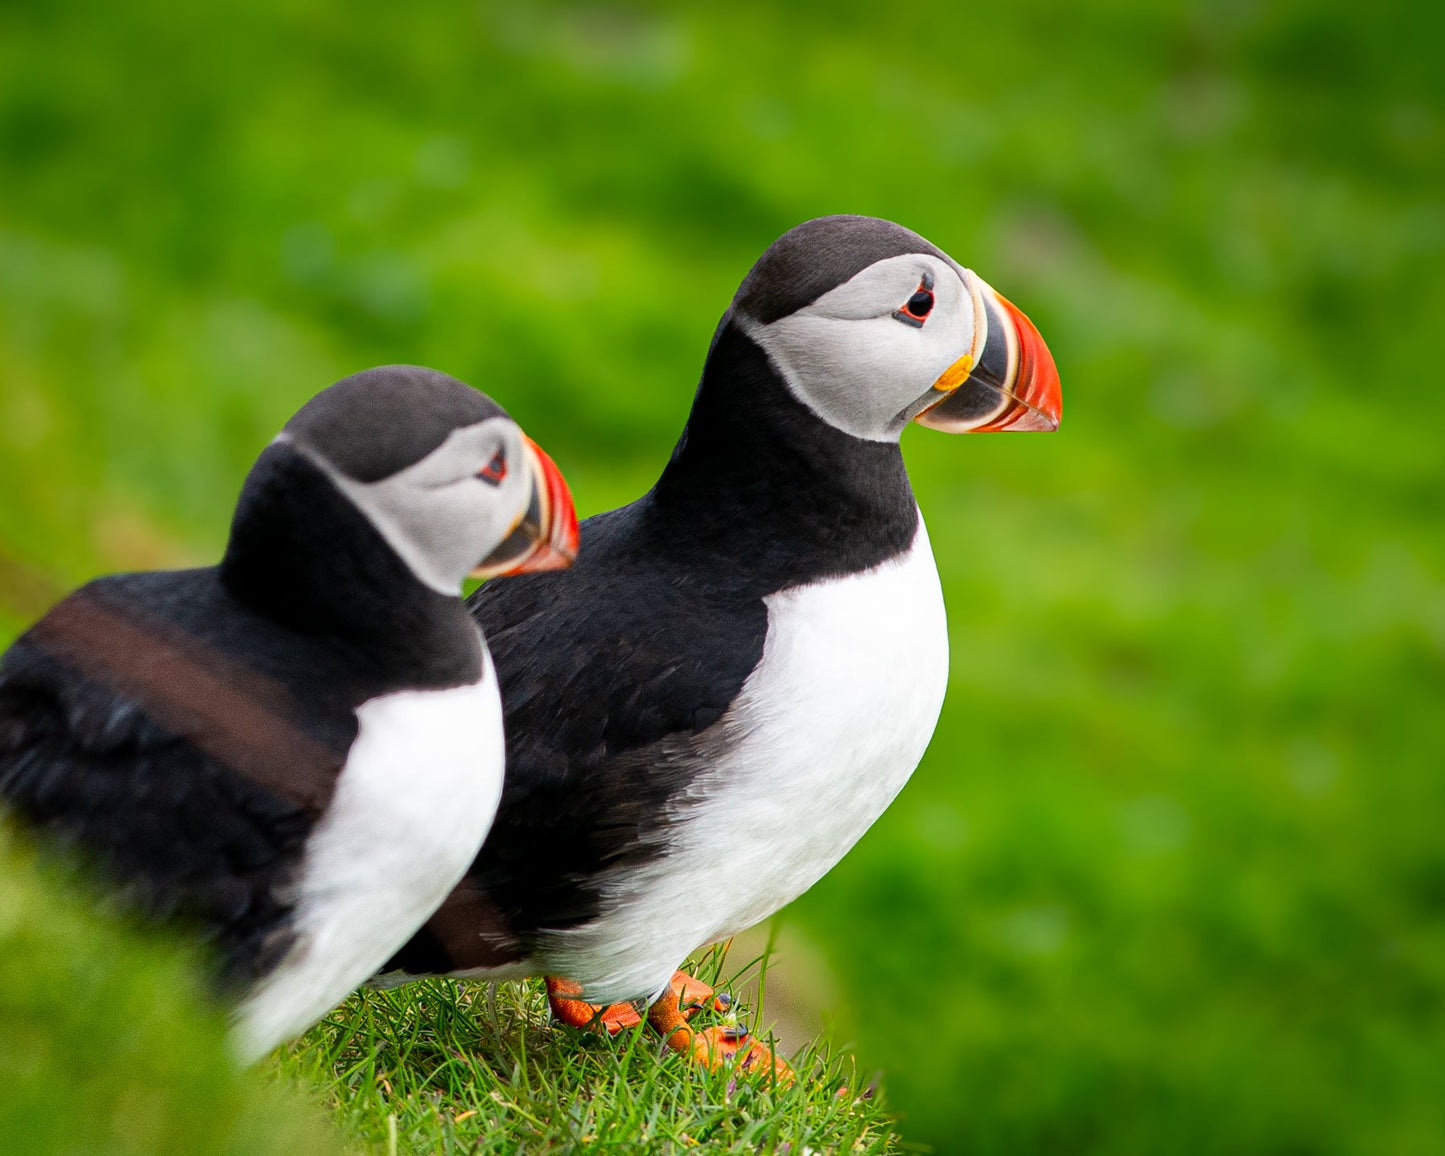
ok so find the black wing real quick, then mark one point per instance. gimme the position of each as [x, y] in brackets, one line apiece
[169, 819]
[609, 674]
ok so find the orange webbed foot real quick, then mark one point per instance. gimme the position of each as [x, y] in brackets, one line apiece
[736, 1046]
[579, 1014]
[714, 1046]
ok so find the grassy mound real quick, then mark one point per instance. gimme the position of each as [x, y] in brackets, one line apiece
[448, 1067]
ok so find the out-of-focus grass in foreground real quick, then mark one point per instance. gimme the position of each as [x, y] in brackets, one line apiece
[110, 1044]
[1170, 877]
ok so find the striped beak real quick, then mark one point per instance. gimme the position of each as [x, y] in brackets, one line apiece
[545, 537]
[1007, 381]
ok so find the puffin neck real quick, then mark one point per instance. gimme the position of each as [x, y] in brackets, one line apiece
[756, 469]
[302, 555]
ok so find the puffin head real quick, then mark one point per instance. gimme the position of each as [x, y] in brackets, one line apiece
[441, 472]
[870, 326]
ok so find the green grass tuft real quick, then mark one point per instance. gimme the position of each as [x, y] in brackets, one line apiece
[452, 1067]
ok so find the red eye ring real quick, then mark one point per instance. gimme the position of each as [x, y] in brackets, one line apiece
[920, 305]
[917, 308]
[495, 470]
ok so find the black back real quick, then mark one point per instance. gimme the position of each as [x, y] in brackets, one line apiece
[183, 730]
[613, 672]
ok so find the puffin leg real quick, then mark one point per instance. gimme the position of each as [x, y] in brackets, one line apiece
[577, 1013]
[712, 1047]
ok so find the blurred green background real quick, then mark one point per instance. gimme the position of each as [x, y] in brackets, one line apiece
[1172, 875]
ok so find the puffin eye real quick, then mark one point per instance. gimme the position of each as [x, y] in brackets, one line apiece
[917, 308]
[495, 470]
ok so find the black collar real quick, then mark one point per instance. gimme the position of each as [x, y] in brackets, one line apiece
[759, 481]
[303, 556]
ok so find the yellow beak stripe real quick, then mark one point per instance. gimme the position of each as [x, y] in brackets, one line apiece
[955, 375]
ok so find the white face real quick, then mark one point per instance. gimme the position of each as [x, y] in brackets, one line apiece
[444, 514]
[858, 360]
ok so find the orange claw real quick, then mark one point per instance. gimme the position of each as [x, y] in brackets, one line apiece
[692, 995]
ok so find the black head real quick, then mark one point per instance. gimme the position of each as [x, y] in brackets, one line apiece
[377, 422]
[871, 326]
[818, 255]
[437, 472]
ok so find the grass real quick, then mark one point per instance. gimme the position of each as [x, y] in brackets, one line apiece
[442, 1066]
[109, 1045]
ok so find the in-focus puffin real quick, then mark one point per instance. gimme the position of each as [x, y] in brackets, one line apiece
[299, 751]
[707, 712]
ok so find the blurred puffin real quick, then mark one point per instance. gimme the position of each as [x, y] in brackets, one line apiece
[298, 751]
[707, 712]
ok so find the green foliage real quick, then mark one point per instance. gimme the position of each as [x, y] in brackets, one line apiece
[107, 1045]
[443, 1067]
[1170, 878]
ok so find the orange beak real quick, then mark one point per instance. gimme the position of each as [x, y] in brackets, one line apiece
[1007, 381]
[545, 537]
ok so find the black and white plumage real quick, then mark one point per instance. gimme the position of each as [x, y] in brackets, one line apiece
[747, 664]
[296, 752]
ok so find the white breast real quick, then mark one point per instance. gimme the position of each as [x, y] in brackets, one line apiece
[824, 734]
[411, 808]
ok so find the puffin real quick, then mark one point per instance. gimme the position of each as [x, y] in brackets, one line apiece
[295, 754]
[748, 661]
